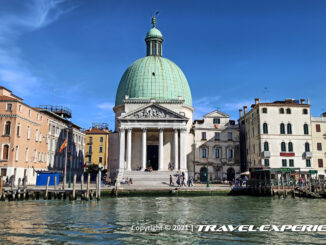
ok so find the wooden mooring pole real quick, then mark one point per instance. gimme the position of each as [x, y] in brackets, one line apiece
[55, 182]
[97, 186]
[88, 183]
[47, 188]
[74, 188]
[1, 185]
[81, 181]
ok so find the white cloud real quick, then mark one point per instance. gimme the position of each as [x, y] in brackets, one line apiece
[36, 14]
[107, 106]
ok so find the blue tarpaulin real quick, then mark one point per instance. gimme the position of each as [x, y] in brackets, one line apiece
[42, 178]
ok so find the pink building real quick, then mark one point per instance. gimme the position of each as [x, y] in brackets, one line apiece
[23, 139]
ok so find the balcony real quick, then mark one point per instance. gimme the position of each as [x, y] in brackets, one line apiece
[89, 143]
[307, 155]
[266, 154]
[89, 153]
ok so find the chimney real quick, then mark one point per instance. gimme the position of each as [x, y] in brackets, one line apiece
[240, 113]
[257, 101]
[324, 114]
[244, 110]
[302, 101]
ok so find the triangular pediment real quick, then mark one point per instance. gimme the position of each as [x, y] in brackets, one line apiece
[153, 112]
[216, 114]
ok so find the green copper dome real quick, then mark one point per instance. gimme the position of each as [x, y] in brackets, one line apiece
[154, 32]
[153, 77]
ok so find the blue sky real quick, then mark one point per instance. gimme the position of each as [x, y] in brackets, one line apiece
[74, 52]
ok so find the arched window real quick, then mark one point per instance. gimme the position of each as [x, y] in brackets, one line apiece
[264, 110]
[266, 146]
[26, 155]
[18, 130]
[28, 132]
[288, 111]
[5, 152]
[265, 128]
[306, 128]
[290, 147]
[282, 128]
[17, 153]
[283, 147]
[307, 147]
[289, 128]
[7, 128]
[281, 110]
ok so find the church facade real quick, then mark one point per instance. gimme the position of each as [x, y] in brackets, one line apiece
[153, 117]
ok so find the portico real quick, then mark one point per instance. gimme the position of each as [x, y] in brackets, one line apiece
[152, 125]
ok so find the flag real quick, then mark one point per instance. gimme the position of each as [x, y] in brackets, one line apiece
[63, 146]
[216, 126]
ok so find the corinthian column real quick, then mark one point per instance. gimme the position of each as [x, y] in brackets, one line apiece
[122, 148]
[160, 150]
[144, 148]
[183, 157]
[129, 149]
[176, 150]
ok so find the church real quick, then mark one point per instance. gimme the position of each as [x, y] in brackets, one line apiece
[153, 136]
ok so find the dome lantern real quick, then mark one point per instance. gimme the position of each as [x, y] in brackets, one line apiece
[154, 40]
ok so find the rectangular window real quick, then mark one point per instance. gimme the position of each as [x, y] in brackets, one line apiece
[101, 149]
[217, 153]
[204, 153]
[308, 163]
[317, 127]
[9, 107]
[216, 121]
[203, 135]
[284, 163]
[20, 108]
[217, 136]
[90, 149]
[320, 163]
[230, 153]
[291, 163]
[101, 139]
[100, 160]
[266, 162]
[90, 159]
[264, 110]
[319, 147]
[229, 135]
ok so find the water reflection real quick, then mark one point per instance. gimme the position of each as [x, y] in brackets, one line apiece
[110, 220]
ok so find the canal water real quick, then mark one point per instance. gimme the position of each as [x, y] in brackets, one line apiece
[111, 220]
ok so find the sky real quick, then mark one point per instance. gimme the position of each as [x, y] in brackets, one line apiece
[74, 52]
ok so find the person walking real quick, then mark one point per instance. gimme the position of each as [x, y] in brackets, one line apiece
[178, 181]
[171, 181]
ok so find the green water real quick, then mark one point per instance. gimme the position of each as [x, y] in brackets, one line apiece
[110, 220]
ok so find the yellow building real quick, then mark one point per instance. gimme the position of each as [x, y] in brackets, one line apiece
[97, 145]
[319, 143]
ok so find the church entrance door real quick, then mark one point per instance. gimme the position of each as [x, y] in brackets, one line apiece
[152, 156]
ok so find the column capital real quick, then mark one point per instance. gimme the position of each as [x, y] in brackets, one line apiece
[122, 129]
[183, 130]
[129, 128]
[144, 129]
[161, 129]
[176, 129]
